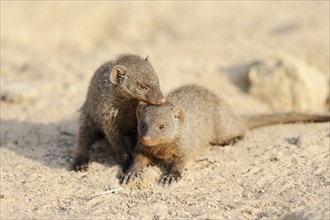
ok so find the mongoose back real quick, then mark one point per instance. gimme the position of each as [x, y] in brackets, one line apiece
[109, 110]
[192, 117]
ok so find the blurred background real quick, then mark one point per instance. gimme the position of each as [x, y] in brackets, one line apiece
[49, 50]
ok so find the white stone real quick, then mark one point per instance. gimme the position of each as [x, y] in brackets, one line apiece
[288, 84]
[19, 92]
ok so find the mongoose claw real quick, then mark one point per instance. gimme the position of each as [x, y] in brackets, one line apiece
[128, 177]
[80, 164]
[169, 178]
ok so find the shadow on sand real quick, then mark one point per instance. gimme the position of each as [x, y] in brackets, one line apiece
[238, 75]
[49, 144]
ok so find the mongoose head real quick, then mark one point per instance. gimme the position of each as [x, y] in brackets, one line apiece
[135, 78]
[158, 124]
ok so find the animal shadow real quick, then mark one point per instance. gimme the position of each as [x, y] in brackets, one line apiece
[238, 75]
[50, 144]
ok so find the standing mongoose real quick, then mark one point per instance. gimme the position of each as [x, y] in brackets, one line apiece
[192, 117]
[109, 110]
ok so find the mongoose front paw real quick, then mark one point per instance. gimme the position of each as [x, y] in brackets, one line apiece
[129, 176]
[169, 178]
[80, 164]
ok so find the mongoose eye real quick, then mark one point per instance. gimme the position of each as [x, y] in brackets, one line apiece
[161, 127]
[143, 87]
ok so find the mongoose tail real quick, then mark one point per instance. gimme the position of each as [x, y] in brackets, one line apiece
[257, 121]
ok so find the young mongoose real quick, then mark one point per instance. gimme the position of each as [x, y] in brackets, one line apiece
[192, 117]
[109, 110]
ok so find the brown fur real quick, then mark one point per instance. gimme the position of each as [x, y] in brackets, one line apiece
[109, 110]
[192, 117]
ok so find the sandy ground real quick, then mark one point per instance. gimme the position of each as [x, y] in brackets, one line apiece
[48, 54]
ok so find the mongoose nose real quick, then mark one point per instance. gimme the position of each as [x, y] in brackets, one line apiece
[146, 139]
[162, 101]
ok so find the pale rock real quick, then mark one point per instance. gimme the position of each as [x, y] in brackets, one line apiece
[288, 84]
[18, 92]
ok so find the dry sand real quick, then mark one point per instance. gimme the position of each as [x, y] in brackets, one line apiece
[48, 54]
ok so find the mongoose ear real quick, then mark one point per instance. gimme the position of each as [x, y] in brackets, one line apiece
[117, 74]
[179, 114]
[139, 109]
[147, 58]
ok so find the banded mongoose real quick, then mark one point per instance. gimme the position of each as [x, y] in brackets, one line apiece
[109, 110]
[192, 117]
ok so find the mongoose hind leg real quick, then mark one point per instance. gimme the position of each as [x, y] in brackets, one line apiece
[121, 147]
[88, 133]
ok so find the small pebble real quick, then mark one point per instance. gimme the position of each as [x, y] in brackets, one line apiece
[19, 92]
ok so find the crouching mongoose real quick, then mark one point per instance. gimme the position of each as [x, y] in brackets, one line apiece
[109, 110]
[192, 117]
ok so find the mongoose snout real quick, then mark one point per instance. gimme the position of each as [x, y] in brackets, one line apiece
[146, 140]
[152, 101]
[153, 98]
[162, 101]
